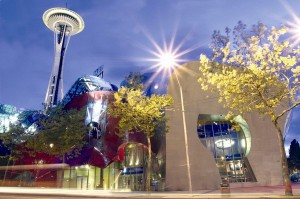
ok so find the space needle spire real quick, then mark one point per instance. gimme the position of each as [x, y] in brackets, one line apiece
[64, 23]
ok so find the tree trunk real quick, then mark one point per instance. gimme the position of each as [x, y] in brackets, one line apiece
[5, 173]
[62, 171]
[285, 171]
[126, 137]
[101, 178]
[148, 182]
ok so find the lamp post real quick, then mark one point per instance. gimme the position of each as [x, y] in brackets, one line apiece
[185, 133]
[168, 60]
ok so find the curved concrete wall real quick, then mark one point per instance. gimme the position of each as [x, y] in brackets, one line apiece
[264, 156]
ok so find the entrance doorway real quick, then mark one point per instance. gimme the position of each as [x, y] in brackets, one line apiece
[134, 182]
[82, 182]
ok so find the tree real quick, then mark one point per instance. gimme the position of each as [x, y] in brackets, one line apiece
[257, 68]
[61, 132]
[294, 155]
[10, 141]
[138, 113]
[294, 152]
[134, 80]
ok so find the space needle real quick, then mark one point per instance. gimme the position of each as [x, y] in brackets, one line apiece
[64, 23]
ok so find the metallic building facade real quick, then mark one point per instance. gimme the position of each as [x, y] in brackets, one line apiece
[217, 152]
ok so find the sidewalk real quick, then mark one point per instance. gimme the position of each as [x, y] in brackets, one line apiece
[247, 192]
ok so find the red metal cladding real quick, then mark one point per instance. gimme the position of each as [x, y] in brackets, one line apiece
[104, 156]
[81, 100]
[112, 148]
[122, 149]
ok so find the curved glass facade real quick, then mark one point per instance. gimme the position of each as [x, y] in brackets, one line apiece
[85, 84]
[11, 115]
[133, 169]
[129, 173]
[228, 145]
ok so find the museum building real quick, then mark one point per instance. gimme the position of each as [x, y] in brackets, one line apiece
[217, 152]
[200, 151]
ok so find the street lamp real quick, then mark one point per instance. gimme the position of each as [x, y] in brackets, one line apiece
[169, 60]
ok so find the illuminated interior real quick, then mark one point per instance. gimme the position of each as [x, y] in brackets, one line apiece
[229, 145]
[127, 174]
[91, 177]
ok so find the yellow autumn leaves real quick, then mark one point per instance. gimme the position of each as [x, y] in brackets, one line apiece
[259, 73]
[137, 112]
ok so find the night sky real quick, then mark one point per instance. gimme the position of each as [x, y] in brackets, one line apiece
[118, 35]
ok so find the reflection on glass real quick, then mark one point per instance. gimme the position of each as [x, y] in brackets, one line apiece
[228, 147]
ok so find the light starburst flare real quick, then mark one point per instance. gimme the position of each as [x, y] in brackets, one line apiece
[165, 56]
[294, 25]
[166, 59]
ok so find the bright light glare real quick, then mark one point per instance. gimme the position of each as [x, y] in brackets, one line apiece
[294, 30]
[167, 60]
[166, 55]
[294, 26]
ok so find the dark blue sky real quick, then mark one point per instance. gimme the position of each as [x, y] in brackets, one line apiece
[115, 35]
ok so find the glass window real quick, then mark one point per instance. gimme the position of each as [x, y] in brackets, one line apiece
[228, 146]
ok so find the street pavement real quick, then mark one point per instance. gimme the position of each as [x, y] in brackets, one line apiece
[268, 192]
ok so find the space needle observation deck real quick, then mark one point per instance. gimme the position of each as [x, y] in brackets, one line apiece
[64, 23]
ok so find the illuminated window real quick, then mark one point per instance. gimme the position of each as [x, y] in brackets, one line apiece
[229, 143]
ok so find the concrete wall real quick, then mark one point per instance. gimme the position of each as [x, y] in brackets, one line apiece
[264, 156]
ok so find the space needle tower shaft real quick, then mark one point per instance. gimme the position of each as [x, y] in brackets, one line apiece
[64, 23]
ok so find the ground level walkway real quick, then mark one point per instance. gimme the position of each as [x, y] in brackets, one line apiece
[246, 192]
